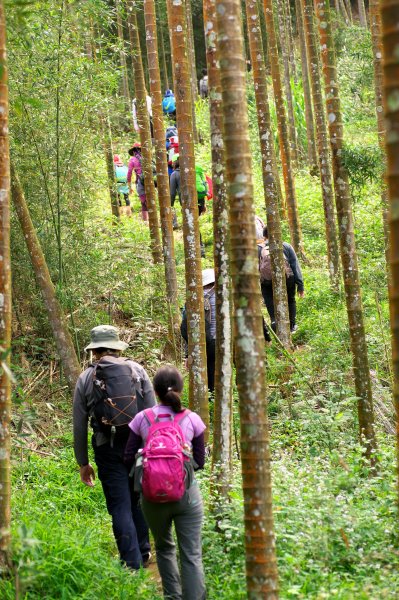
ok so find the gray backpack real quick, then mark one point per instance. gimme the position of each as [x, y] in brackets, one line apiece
[265, 265]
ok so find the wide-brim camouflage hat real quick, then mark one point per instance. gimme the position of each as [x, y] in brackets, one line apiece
[106, 336]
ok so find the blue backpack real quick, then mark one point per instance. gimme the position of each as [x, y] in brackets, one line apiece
[168, 105]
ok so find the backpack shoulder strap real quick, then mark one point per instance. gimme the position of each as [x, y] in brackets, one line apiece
[150, 416]
[179, 417]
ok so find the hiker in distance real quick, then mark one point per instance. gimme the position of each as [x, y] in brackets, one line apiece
[121, 171]
[110, 392]
[293, 276]
[173, 440]
[135, 165]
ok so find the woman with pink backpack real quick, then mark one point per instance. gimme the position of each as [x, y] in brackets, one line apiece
[168, 443]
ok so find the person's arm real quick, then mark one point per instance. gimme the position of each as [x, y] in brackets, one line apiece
[173, 187]
[198, 448]
[80, 426]
[133, 445]
[295, 266]
[130, 171]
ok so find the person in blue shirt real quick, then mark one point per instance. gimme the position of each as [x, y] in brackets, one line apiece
[169, 104]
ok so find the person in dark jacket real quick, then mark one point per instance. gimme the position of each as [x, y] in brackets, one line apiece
[129, 526]
[294, 284]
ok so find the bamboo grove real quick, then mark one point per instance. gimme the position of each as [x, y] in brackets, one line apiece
[277, 62]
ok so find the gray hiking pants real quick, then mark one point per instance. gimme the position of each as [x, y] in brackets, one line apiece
[187, 516]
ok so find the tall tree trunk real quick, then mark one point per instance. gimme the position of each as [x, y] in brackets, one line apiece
[145, 134]
[222, 419]
[163, 65]
[347, 238]
[375, 26]
[290, 40]
[62, 337]
[5, 308]
[310, 129]
[109, 163]
[390, 17]
[261, 567]
[362, 13]
[122, 54]
[288, 174]
[348, 7]
[269, 179]
[326, 177]
[282, 18]
[193, 70]
[198, 396]
[343, 11]
[162, 170]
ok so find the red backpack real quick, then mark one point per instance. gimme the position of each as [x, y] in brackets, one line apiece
[164, 458]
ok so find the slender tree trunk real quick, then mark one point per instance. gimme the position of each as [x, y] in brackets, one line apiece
[390, 16]
[375, 26]
[162, 170]
[222, 419]
[193, 70]
[198, 396]
[122, 54]
[289, 182]
[347, 238]
[343, 11]
[261, 567]
[145, 134]
[290, 40]
[362, 13]
[109, 162]
[63, 340]
[269, 179]
[163, 65]
[5, 308]
[287, 79]
[310, 129]
[348, 7]
[326, 176]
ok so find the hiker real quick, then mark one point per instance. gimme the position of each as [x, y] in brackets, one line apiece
[170, 493]
[128, 386]
[169, 104]
[149, 110]
[203, 84]
[172, 146]
[208, 284]
[135, 164]
[174, 188]
[293, 275]
[121, 170]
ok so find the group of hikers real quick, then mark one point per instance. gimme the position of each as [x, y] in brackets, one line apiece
[147, 446]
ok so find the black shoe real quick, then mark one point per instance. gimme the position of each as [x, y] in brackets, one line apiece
[202, 250]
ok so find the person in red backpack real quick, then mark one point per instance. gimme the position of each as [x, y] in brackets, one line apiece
[170, 420]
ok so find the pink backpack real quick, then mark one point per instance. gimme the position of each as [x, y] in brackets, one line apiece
[164, 458]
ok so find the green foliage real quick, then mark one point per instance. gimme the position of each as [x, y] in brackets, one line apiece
[364, 164]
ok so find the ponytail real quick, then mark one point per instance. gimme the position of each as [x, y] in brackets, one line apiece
[168, 385]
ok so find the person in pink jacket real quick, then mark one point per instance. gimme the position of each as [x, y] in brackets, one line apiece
[136, 167]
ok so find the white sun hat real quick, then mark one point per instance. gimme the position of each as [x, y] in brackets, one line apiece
[208, 276]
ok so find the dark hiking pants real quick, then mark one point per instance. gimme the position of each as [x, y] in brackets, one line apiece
[128, 523]
[267, 293]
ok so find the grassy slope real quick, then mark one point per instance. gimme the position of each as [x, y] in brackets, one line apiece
[335, 526]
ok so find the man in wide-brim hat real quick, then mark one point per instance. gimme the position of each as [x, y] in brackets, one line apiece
[130, 529]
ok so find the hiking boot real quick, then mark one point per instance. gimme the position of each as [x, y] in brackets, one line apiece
[175, 223]
[202, 250]
[147, 560]
[294, 328]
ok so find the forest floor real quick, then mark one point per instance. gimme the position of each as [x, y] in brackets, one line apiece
[336, 527]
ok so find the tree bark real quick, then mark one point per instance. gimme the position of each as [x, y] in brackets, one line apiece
[109, 163]
[122, 55]
[350, 269]
[375, 27]
[390, 16]
[162, 171]
[143, 120]
[193, 70]
[310, 128]
[223, 409]
[198, 397]
[5, 308]
[63, 340]
[261, 568]
[269, 177]
[326, 177]
[362, 13]
[285, 152]
[282, 22]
